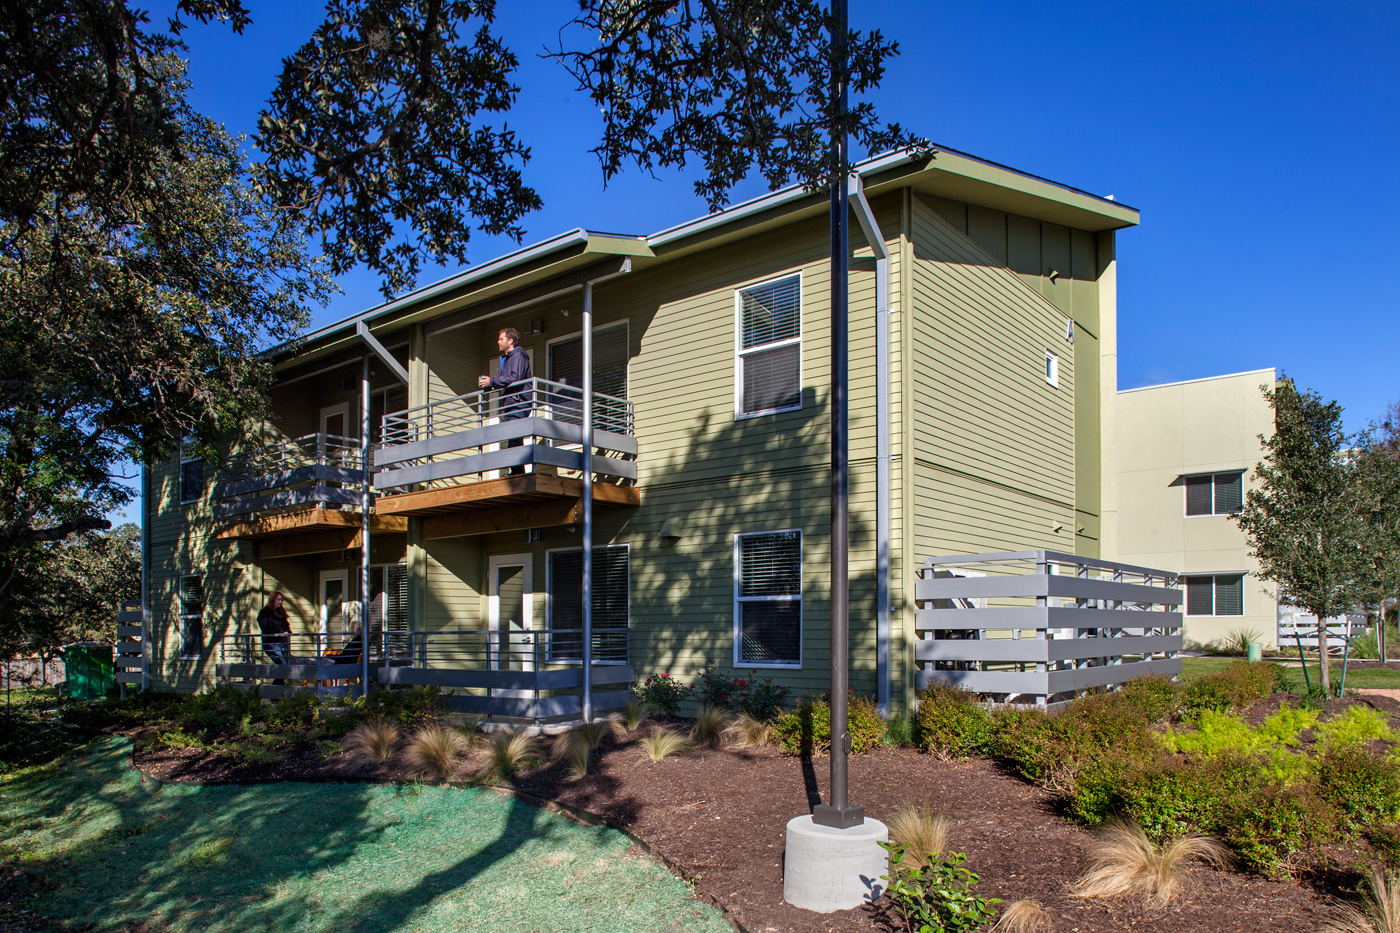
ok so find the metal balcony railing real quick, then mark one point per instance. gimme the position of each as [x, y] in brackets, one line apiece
[321, 469]
[532, 422]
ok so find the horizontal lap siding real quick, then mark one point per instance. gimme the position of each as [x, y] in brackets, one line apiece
[994, 443]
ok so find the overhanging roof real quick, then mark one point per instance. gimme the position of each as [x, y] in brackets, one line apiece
[948, 173]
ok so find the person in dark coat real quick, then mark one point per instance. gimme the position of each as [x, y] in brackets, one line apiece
[276, 632]
[512, 379]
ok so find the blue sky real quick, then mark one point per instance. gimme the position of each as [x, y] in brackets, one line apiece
[1258, 140]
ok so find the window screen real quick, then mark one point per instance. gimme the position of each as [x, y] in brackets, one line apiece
[1215, 595]
[1214, 493]
[770, 346]
[388, 605]
[1199, 596]
[191, 616]
[610, 604]
[1229, 595]
[769, 598]
[1198, 495]
[609, 361]
[1229, 492]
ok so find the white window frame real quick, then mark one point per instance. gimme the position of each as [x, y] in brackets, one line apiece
[739, 600]
[1185, 493]
[1186, 602]
[185, 653]
[550, 656]
[1052, 368]
[180, 475]
[740, 352]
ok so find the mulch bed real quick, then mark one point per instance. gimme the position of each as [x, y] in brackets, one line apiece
[719, 817]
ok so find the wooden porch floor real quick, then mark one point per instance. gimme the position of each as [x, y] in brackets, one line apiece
[509, 503]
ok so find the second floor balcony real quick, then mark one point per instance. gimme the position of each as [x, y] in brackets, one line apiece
[315, 470]
[531, 425]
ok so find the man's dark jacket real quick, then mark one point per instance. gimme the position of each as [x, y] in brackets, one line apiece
[511, 377]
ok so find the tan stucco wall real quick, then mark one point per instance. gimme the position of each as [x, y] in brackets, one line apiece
[1170, 431]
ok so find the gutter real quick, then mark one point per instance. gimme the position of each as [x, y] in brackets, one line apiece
[873, 236]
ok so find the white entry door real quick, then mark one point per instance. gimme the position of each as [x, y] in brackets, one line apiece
[335, 419]
[334, 590]
[509, 596]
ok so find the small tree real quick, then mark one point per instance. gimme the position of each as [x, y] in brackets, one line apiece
[1303, 521]
[1377, 466]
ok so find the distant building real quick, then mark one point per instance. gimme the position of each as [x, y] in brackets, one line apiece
[1185, 457]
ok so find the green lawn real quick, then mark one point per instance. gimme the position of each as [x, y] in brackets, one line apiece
[1192, 668]
[107, 849]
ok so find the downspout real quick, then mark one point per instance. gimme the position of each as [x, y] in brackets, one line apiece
[145, 579]
[873, 236]
[586, 466]
[377, 348]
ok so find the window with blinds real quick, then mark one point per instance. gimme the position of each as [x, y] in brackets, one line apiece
[191, 617]
[770, 346]
[610, 604]
[388, 606]
[609, 360]
[1215, 594]
[768, 598]
[1214, 493]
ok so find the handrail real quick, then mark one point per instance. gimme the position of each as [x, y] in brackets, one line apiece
[494, 648]
[291, 454]
[540, 398]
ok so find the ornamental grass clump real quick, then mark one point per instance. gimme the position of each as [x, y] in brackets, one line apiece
[1126, 862]
[923, 833]
[435, 751]
[710, 723]
[370, 744]
[747, 732]
[1378, 911]
[662, 743]
[508, 752]
[632, 718]
[1024, 916]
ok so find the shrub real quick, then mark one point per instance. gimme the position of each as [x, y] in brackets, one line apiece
[1234, 688]
[1366, 646]
[1126, 861]
[293, 710]
[1172, 799]
[938, 894]
[807, 729]
[1356, 725]
[662, 693]
[1271, 826]
[1216, 733]
[1385, 841]
[1156, 696]
[899, 731]
[762, 700]
[1285, 726]
[951, 723]
[1363, 786]
[412, 707]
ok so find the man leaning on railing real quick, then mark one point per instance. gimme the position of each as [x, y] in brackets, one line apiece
[513, 380]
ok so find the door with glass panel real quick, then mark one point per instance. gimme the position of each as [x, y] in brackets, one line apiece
[509, 596]
[334, 588]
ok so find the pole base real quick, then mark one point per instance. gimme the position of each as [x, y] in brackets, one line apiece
[824, 814]
[826, 869]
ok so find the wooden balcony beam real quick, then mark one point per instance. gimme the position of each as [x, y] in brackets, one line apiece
[311, 521]
[505, 491]
[545, 514]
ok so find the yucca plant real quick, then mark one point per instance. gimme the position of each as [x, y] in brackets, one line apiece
[921, 831]
[662, 743]
[710, 723]
[1024, 916]
[370, 744]
[747, 732]
[435, 751]
[1126, 861]
[1378, 912]
[508, 752]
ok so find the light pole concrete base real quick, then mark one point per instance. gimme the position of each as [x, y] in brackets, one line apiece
[826, 869]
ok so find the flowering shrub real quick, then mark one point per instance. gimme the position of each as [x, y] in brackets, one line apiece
[762, 700]
[662, 693]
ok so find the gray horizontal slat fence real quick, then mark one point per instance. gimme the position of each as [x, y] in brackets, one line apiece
[129, 658]
[314, 470]
[1041, 626]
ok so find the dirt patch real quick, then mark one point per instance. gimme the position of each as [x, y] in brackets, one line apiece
[719, 817]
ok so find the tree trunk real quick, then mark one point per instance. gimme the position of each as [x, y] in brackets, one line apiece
[1380, 633]
[1324, 677]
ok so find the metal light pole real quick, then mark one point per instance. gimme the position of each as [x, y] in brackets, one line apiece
[838, 812]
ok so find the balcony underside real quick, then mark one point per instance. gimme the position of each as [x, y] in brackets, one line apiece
[510, 503]
[310, 531]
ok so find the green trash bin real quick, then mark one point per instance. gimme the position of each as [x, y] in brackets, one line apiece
[90, 670]
[1254, 652]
